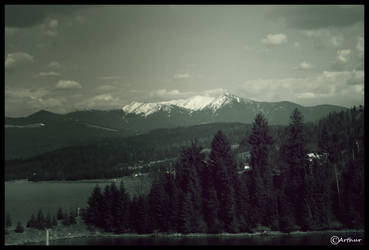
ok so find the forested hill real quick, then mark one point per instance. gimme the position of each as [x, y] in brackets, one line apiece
[281, 190]
[45, 131]
[113, 157]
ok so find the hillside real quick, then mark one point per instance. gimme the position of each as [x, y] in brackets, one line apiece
[45, 131]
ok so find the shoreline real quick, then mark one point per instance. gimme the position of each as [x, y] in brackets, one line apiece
[34, 236]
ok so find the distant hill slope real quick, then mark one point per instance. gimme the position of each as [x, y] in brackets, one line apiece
[111, 157]
[45, 131]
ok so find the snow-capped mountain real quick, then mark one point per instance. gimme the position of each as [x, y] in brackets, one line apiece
[196, 103]
[23, 138]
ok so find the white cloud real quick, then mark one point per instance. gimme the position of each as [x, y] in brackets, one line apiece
[325, 37]
[13, 59]
[10, 31]
[53, 23]
[360, 45]
[54, 65]
[67, 84]
[26, 93]
[49, 73]
[165, 93]
[182, 76]
[109, 78]
[247, 48]
[105, 88]
[274, 39]
[304, 66]
[306, 95]
[50, 28]
[296, 45]
[102, 101]
[103, 97]
[23, 101]
[337, 40]
[343, 55]
[215, 92]
[328, 87]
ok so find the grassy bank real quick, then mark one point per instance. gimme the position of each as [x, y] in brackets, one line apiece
[31, 235]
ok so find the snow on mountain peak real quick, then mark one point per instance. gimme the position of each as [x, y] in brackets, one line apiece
[145, 109]
[194, 103]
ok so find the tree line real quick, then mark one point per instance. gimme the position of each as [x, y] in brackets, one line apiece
[281, 189]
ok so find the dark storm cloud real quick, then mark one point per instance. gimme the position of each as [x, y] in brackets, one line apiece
[319, 16]
[21, 16]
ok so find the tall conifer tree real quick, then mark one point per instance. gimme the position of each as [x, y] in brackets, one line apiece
[262, 187]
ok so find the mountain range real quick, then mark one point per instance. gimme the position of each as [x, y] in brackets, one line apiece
[45, 131]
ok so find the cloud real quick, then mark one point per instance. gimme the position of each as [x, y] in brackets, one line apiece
[53, 23]
[319, 16]
[50, 28]
[296, 45]
[110, 78]
[215, 92]
[360, 46]
[67, 84]
[324, 38]
[105, 88]
[247, 48]
[102, 101]
[50, 73]
[274, 39]
[182, 76]
[24, 16]
[24, 92]
[165, 93]
[14, 59]
[304, 66]
[23, 101]
[54, 65]
[355, 77]
[343, 55]
[327, 87]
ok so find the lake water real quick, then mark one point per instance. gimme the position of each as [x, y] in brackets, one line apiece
[313, 238]
[22, 198]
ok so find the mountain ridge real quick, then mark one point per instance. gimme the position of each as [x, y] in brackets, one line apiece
[24, 139]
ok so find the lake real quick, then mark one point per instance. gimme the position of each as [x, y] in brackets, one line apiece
[22, 198]
[310, 238]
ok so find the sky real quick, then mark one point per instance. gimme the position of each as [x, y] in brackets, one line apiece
[76, 57]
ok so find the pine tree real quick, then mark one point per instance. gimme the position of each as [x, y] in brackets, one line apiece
[19, 228]
[171, 190]
[185, 214]
[107, 215]
[8, 221]
[188, 169]
[54, 222]
[297, 170]
[158, 205]
[142, 215]
[242, 206]
[120, 208]
[40, 221]
[59, 214]
[94, 213]
[48, 222]
[72, 218]
[262, 194]
[32, 222]
[222, 166]
[210, 201]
